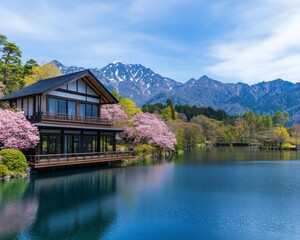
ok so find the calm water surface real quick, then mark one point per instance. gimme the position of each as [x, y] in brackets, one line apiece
[211, 193]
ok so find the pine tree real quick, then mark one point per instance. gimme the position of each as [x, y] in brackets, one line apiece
[28, 67]
[11, 69]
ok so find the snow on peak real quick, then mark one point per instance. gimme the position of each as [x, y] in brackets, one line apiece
[119, 62]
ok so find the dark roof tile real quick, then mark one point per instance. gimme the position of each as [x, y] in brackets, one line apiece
[44, 85]
[49, 84]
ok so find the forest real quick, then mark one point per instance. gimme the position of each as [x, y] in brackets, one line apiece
[250, 129]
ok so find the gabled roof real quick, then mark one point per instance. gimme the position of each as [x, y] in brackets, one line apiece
[50, 84]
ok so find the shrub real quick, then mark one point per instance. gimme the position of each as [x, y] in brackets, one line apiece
[144, 149]
[14, 160]
[121, 148]
[3, 170]
[286, 145]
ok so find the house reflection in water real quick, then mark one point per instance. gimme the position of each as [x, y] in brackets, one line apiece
[72, 206]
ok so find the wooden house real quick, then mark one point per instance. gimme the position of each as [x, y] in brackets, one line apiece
[67, 112]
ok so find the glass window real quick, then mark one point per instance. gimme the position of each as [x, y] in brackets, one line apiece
[50, 144]
[82, 109]
[71, 108]
[94, 143]
[72, 86]
[25, 106]
[90, 91]
[87, 143]
[68, 148]
[105, 144]
[44, 140]
[88, 110]
[81, 86]
[30, 107]
[53, 144]
[77, 143]
[95, 111]
[53, 105]
[62, 106]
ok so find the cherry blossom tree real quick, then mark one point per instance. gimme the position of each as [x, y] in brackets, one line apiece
[16, 132]
[113, 112]
[148, 128]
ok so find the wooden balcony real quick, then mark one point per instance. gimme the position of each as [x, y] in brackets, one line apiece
[60, 160]
[65, 118]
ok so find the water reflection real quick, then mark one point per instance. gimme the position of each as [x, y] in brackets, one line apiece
[16, 213]
[223, 154]
[72, 205]
[209, 193]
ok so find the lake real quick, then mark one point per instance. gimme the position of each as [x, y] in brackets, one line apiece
[209, 193]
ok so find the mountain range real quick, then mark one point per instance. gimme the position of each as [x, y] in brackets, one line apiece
[144, 86]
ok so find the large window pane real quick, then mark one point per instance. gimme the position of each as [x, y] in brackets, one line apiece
[44, 143]
[105, 144]
[87, 143]
[95, 111]
[82, 109]
[88, 110]
[77, 143]
[25, 106]
[94, 143]
[62, 106]
[72, 86]
[53, 105]
[81, 86]
[50, 144]
[53, 144]
[68, 144]
[71, 108]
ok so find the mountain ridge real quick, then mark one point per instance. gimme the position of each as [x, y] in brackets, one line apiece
[144, 86]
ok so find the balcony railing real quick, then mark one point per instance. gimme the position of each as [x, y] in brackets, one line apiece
[50, 160]
[67, 118]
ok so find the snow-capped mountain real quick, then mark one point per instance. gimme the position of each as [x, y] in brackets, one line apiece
[144, 86]
[131, 80]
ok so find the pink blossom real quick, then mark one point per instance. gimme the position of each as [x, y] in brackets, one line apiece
[16, 132]
[113, 112]
[147, 127]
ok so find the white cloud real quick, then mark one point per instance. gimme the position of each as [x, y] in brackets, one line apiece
[143, 10]
[249, 41]
[262, 50]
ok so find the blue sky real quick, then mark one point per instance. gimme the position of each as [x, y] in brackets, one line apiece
[229, 40]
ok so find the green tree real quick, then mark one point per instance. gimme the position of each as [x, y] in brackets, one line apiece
[279, 135]
[28, 66]
[11, 69]
[154, 108]
[47, 70]
[280, 118]
[127, 104]
[170, 104]
[266, 122]
[241, 132]
[209, 127]
[187, 134]
[250, 124]
[167, 113]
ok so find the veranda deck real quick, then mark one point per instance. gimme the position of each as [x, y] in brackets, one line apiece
[61, 160]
